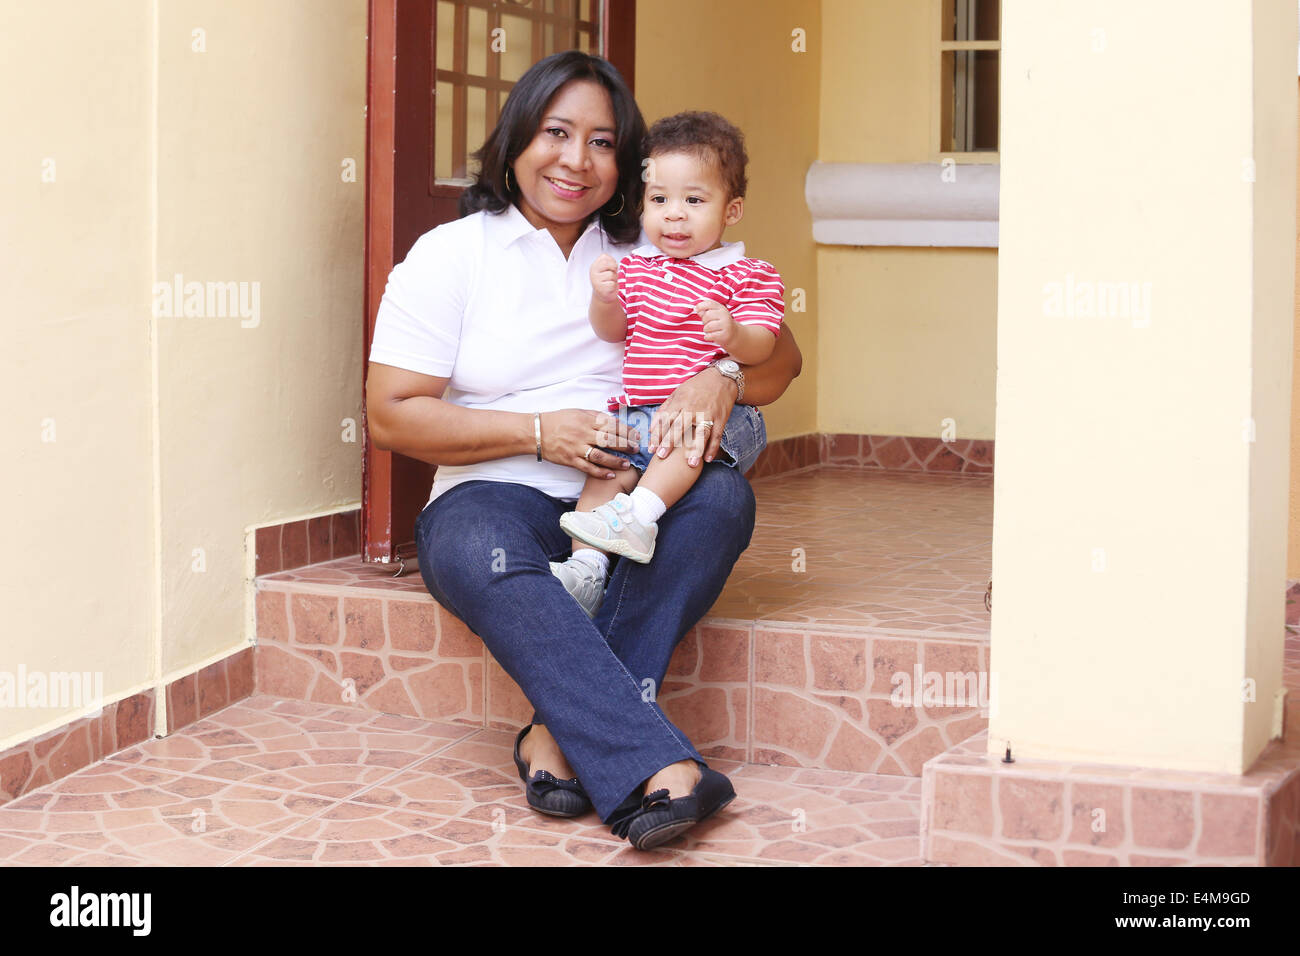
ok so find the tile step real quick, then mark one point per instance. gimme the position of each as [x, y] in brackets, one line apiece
[867, 700]
[977, 811]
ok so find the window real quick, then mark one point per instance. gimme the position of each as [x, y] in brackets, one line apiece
[481, 48]
[969, 41]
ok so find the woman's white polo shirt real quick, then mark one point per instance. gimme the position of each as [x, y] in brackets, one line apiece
[490, 303]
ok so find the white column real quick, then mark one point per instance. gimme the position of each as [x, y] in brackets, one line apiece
[1145, 287]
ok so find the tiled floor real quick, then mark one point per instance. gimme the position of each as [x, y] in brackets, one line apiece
[832, 547]
[843, 547]
[275, 782]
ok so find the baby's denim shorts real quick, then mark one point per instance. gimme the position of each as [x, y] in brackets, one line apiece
[743, 439]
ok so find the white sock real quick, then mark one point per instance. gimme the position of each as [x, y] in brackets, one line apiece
[597, 561]
[646, 505]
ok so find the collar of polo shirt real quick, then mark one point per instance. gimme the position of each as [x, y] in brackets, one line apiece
[724, 255]
[510, 225]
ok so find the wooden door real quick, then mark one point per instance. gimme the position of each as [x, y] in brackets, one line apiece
[438, 73]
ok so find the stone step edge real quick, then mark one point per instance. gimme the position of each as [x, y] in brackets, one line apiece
[384, 594]
[1284, 774]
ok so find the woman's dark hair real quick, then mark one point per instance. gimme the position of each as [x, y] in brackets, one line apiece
[522, 116]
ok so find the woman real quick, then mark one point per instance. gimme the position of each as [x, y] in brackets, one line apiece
[484, 363]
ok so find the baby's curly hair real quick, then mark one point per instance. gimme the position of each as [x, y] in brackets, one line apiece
[708, 136]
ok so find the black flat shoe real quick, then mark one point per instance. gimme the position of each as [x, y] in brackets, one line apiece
[549, 794]
[660, 819]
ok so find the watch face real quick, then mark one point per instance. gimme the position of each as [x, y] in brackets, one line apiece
[727, 365]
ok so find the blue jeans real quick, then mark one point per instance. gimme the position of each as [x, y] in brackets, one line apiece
[744, 436]
[484, 550]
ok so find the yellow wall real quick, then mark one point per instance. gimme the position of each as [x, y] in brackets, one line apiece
[1274, 30]
[1137, 600]
[252, 137]
[1293, 523]
[735, 57]
[171, 434]
[906, 340]
[906, 336]
[77, 562]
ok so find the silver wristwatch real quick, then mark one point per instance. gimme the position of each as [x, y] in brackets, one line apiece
[731, 369]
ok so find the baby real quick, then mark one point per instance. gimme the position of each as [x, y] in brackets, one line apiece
[685, 302]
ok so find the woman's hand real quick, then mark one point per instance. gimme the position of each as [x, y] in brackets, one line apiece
[708, 397]
[574, 437]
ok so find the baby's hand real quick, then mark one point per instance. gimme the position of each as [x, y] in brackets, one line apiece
[719, 326]
[604, 278]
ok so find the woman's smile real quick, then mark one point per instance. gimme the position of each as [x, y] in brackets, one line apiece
[566, 188]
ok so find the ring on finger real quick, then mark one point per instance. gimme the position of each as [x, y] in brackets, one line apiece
[707, 423]
[590, 449]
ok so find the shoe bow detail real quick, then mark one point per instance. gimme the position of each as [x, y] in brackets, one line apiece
[543, 782]
[546, 792]
[661, 818]
[620, 821]
[659, 798]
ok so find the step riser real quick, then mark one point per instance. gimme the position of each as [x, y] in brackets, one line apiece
[740, 691]
[976, 811]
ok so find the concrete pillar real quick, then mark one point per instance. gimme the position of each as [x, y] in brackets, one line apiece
[1145, 303]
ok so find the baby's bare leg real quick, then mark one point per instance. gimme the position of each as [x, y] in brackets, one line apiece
[670, 478]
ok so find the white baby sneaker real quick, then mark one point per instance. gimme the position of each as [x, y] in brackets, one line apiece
[586, 586]
[613, 527]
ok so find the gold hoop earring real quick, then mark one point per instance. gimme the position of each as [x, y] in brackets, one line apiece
[622, 201]
[509, 188]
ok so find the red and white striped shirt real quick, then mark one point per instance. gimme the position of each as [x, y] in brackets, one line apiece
[665, 337]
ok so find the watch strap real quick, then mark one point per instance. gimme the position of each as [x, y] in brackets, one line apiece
[737, 376]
